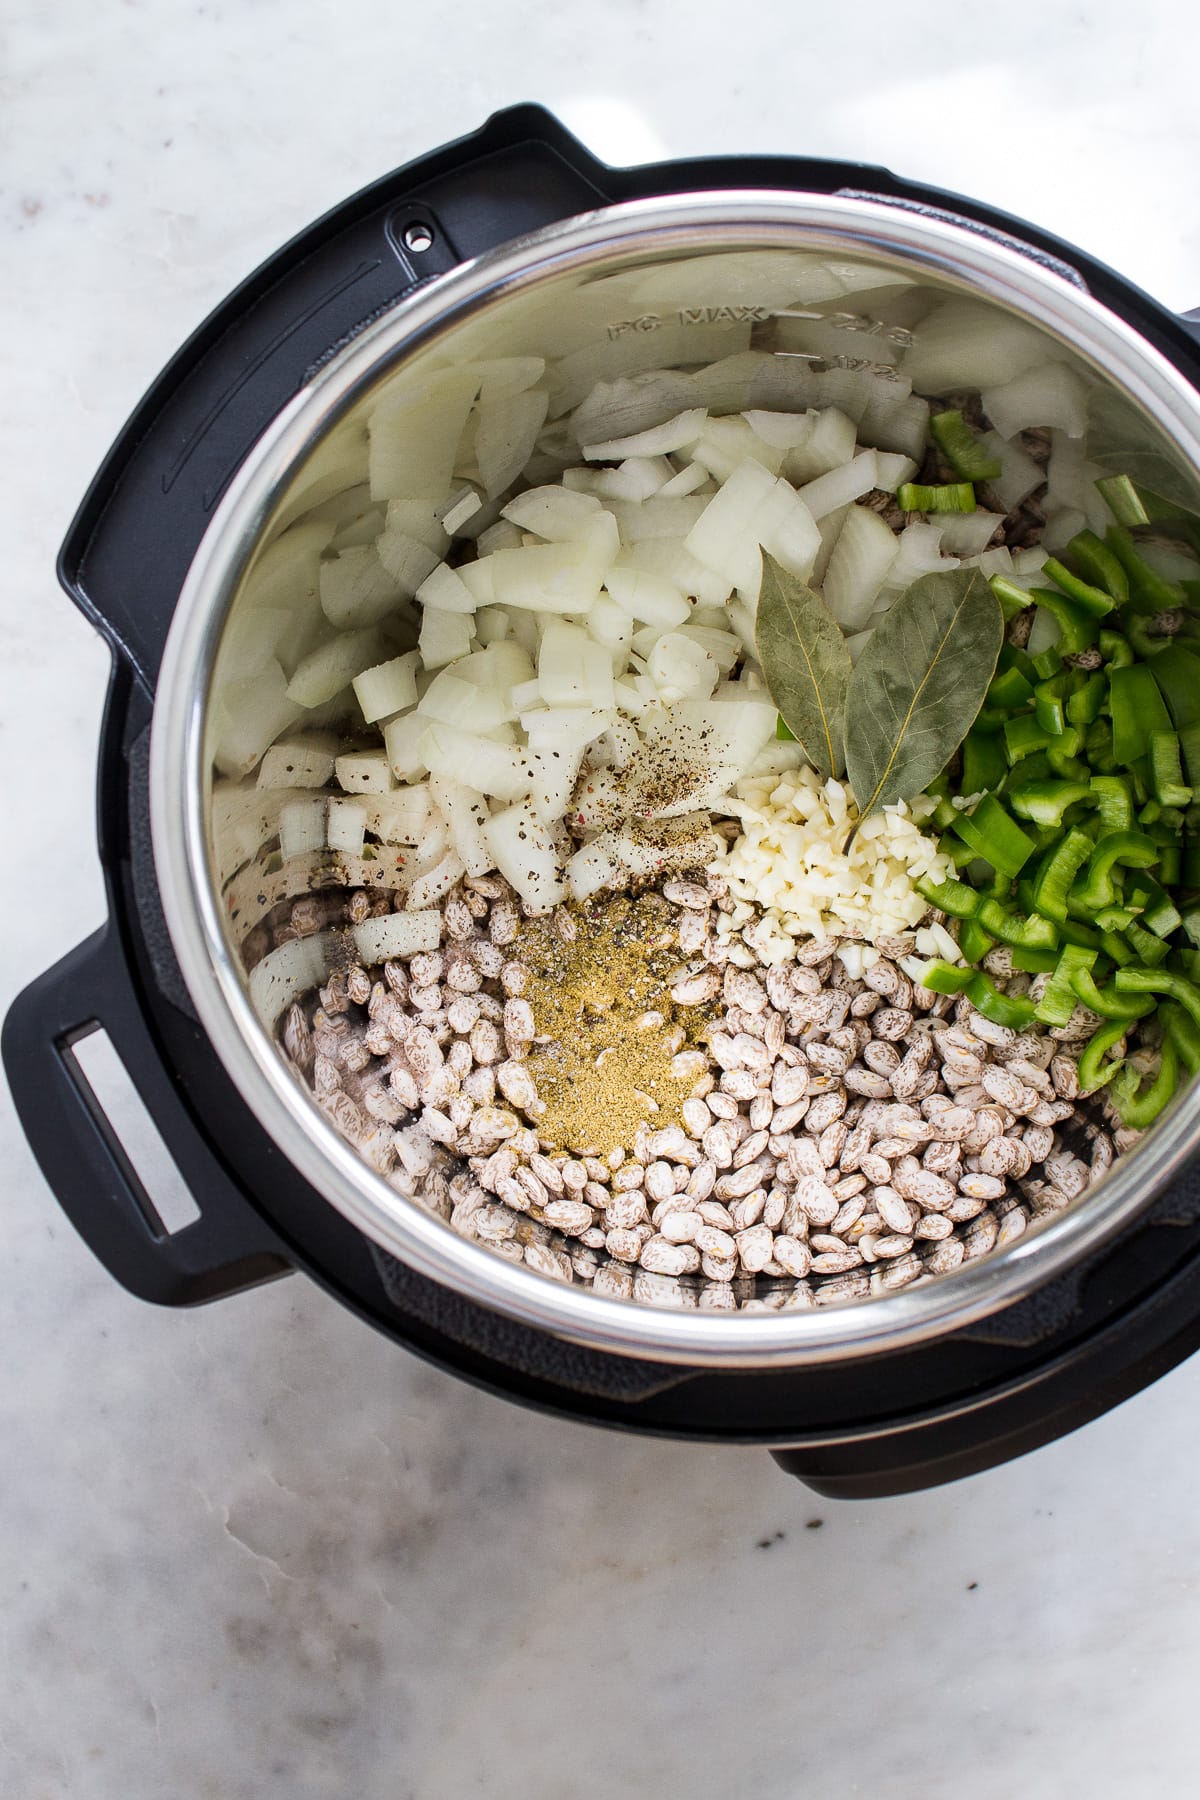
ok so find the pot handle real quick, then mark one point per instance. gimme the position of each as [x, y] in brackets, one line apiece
[228, 1247]
[131, 543]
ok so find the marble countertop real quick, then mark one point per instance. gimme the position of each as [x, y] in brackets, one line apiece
[254, 1552]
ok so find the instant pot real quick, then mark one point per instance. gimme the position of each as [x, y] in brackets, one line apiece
[484, 245]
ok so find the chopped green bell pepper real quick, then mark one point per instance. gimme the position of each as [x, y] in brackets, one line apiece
[1093, 600]
[1115, 650]
[1113, 795]
[1141, 980]
[1058, 1001]
[952, 897]
[974, 941]
[1052, 884]
[1002, 1009]
[984, 762]
[1120, 849]
[944, 497]
[1048, 802]
[1091, 558]
[1177, 674]
[1148, 590]
[1184, 1034]
[1093, 1072]
[1140, 1105]
[1108, 1002]
[1077, 628]
[1030, 932]
[1137, 710]
[967, 456]
[990, 832]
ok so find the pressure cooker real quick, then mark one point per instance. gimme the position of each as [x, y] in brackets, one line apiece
[481, 246]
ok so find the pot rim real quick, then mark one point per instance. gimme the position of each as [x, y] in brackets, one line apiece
[930, 244]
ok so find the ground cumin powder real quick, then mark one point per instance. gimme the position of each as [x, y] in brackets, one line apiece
[607, 1028]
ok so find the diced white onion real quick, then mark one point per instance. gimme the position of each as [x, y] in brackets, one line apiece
[304, 761]
[301, 827]
[444, 636]
[840, 487]
[656, 440]
[866, 549]
[396, 935]
[389, 687]
[1052, 395]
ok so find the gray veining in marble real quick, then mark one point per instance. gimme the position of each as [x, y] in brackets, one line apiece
[255, 1552]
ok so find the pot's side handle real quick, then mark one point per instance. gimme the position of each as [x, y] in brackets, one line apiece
[129, 548]
[228, 1247]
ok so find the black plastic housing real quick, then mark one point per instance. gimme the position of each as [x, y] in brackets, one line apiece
[884, 1425]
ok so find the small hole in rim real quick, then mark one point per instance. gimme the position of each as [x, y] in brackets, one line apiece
[418, 237]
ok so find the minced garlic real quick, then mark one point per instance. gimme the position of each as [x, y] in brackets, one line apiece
[790, 861]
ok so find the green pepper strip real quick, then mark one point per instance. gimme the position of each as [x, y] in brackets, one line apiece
[1031, 933]
[1093, 600]
[1058, 1000]
[1053, 881]
[1091, 557]
[1084, 705]
[1116, 918]
[1123, 500]
[1108, 1001]
[1140, 980]
[1093, 1071]
[1047, 802]
[1047, 663]
[1049, 704]
[1002, 1009]
[1034, 962]
[1139, 1106]
[952, 897]
[984, 762]
[1063, 760]
[1121, 849]
[1077, 628]
[1013, 657]
[1115, 650]
[1177, 674]
[1023, 736]
[1013, 599]
[1113, 794]
[1146, 643]
[1116, 948]
[1184, 1033]
[1011, 689]
[1148, 591]
[1166, 776]
[1145, 945]
[1159, 913]
[1099, 745]
[974, 941]
[946, 497]
[969, 458]
[1189, 745]
[1072, 932]
[1137, 710]
[990, 833]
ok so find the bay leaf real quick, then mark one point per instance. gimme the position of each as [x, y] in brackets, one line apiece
[805, 664]
[919, 684]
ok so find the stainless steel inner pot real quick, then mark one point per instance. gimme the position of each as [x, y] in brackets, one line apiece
[627, 285]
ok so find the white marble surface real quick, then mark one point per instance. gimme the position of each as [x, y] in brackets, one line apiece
[255, 1551]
